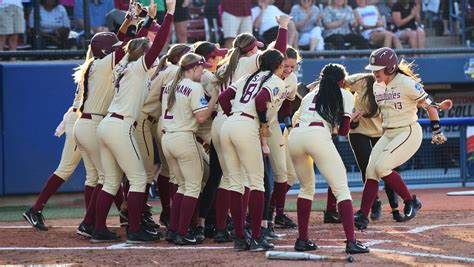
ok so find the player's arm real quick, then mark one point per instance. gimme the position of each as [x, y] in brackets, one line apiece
[202, 116]
[263, 97]
[282, 36]
[285, 113]
[431, 108]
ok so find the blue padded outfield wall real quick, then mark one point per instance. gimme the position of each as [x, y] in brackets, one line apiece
[34, 97]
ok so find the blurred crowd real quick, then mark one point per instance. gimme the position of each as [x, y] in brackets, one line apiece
[316, 25]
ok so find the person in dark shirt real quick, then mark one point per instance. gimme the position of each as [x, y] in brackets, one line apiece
[405, 15]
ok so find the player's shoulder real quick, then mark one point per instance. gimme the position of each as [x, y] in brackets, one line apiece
[207, 76]
[191, 84]
[292, 79]
[345, 93]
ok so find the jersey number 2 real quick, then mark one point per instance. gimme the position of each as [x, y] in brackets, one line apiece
[168, 115]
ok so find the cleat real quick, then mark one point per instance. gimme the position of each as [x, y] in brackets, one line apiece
[411, 208]
[86, 230]
[307, 245]
[164, 220]
[241, 244]
[269, 233]
[376, 211]
[36, 219]
[355, 247]
[331, 217]
[397, 216]
[260, 245]
[198, 232]
[283, 221]
[188, 239]
[360, 221]
[222, 236]
[104, 236]
[170, 236]
[148, 222]
[142, 236]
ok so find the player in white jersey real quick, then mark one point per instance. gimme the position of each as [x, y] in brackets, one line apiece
[184, 108]
[252, 95]
[398, 93]
[322, 112]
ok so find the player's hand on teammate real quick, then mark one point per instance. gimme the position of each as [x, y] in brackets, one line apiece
[283, 21]
[170, 6]
[355, 117]
[265, 130]
[265, 149]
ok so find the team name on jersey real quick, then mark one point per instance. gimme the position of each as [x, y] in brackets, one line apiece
[180, 89]
[387, 96]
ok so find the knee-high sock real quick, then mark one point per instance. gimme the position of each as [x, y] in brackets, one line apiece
[280, 190]
[194, 218]
[222, 208]
[303, 207]
[119, 197]
[104, 202]
[173, 190]
[135, 210]
[51, 186]
[369, 194]
[88, 190]
[256, 211]
[245, 202]
[394, 180]
[347, 218]
[236, 213]
[90, 212]
[188, 205]
[125, 188]
[331, 202]
[273, 198]
[163, 184]
[392, 197]
[175, 212]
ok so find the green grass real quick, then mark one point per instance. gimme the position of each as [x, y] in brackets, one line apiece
[13, 213]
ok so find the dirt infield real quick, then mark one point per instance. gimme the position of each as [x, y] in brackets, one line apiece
[442, 233]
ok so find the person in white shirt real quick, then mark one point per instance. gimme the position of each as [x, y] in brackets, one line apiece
[12, 23]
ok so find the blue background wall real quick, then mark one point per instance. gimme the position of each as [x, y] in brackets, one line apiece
[34, 97]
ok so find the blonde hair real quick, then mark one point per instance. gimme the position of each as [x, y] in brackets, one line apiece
[406, 68]
[241, 41]
[185, 60]
[174, 51]
[80, 71]
[135, 48]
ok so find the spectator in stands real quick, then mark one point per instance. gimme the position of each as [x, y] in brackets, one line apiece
[263, 19]
[372, 26]
[284, 5]
[12, 23]
[97, 11]
[236, 19]
[405, 15]
[69, 6]
[181, 16]
[115, 17]
[307, 18]
[445, 16]
[338, 21]
[54, 24]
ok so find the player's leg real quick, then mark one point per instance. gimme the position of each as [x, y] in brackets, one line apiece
[163, 181]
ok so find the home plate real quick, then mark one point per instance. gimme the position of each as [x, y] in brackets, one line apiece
[461, 193]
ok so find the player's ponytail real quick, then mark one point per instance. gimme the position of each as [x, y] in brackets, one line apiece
[185, 60]
[240, 42]
[174, 55]
[329, 102]
[270, 60]
[406, 68]
[81, 75]
[366, 81]
[136, 48]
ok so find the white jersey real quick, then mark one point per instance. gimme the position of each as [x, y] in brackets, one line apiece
[398, 101]
[152, 105]
[289, 94]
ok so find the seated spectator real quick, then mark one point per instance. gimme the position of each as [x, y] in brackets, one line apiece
[405, 15]
[372, 26]
[97, 11]
[236, 19]
[54, 24]
[307, 18]
[338, 21]
[12, 23]
[263, 18]
[69, 6]
[114, 18]
[284, 5]
[181, 16]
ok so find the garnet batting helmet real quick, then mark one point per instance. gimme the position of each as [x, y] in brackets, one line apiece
[104, 43]
[383, 58]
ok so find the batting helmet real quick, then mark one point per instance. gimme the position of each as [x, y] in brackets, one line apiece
[103, 43]
[383, 58]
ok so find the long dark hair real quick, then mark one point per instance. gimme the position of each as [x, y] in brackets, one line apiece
[270, 60]
[330, 104]
[365, 80]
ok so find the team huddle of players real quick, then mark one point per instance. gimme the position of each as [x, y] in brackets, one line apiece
[213, 116]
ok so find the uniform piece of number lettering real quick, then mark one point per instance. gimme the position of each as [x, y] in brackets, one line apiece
[247, 95]
[168, 115]
[315, 99]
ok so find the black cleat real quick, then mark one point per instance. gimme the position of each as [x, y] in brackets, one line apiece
[355, 247]
[198, 232]
[411, 208]
[376, 211]
[142, 236]
[222, 236]
[165, 220]
[397, 216]
[331, 217]
[170, 236]
[269, 233]
[260, 245]
[104, 236]
[188, 239]
[241, 244]
[148, 222]
[360, 221]
[36, 219]
[283, 221]
[307, 245]
[123, 217]
[86, 230]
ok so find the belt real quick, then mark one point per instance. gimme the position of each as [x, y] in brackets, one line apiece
[118, 116]
[74, 110]
[89, 115]
[314, 123]
[244, 115]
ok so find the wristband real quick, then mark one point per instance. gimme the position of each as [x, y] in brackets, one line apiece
[143, 13]
[354, 124]
[435, 127]
[147, 23]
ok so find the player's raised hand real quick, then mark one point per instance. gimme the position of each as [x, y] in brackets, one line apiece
[170, 6]
[355, 117]
[152, 9]
[283, 21]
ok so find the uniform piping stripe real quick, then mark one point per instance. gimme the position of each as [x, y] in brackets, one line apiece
[420, 96]
[409, 134]
[131, 141]
[144, 138]
[199, 109]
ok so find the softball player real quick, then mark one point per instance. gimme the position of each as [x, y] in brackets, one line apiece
[184, 108]
[118, 148]
[164, 73]
[252, 93]
[397, 92]
[321, 112]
